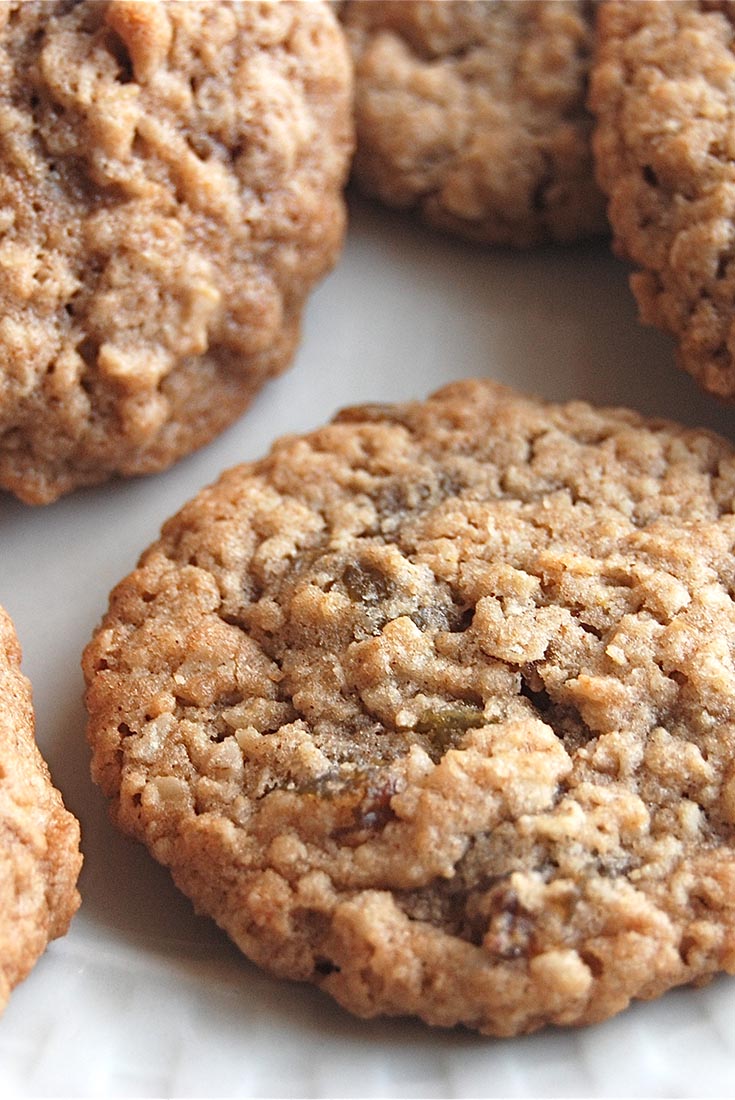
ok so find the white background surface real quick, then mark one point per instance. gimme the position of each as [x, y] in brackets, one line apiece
[142, 998]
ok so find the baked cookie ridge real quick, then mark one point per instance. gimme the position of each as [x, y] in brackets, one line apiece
[433, 707]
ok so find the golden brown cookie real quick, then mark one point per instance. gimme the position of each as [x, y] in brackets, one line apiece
[170, 190]
[473, 113]
[663, 90]
[39, 839]
[435, 708]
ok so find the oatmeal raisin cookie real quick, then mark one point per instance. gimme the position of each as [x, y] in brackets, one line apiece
[39, 838]
[663, 90]
[435, 708]
[473, 113]
[170, 190]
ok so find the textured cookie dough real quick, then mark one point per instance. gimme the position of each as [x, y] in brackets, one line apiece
[474, 114]
[170, 190]
[39, 839]
[663, 90]
[435, 708]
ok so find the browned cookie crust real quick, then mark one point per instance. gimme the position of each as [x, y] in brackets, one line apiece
[435, 708]
[663, 89]
[170, 189]
[474, 114]
[39, 839]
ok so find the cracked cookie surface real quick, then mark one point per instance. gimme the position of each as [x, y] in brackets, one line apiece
[434, 707]
[663, 90]
[170, 186]
[39, 838]
[474, 115]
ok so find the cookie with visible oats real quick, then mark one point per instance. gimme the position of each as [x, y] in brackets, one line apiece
[170, 190]
[663, 90]
[435, 708]
[39, 839]
[473, 114]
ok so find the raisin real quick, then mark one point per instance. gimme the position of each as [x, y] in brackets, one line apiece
[366, 584]
[445, 726]
[361, 798]
[451, 719]
[510, 930]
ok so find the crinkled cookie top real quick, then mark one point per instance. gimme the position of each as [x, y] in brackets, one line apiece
[663, 90]
[435, 707]
[170, 189]
[474, 114]
[39, 839]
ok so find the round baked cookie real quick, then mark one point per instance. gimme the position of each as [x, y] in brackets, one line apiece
[170, 190]
[473, 113]
[39, 839]
[663, 90]
[435, 708]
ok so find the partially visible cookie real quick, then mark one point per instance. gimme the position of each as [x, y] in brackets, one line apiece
[663, 90]
[170, 190]
[473, 113]
[435, 708]
[39, 839]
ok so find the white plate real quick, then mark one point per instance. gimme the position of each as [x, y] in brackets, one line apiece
[144, 999]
